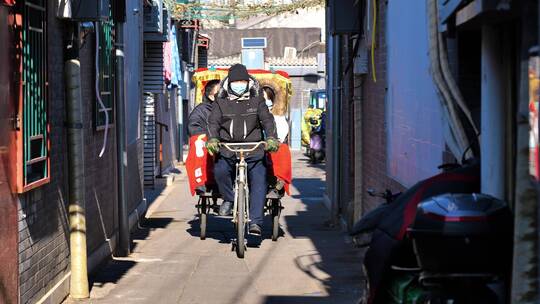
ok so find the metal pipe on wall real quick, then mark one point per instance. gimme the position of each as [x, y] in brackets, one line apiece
[75, 139]
[123, 248]
[180, 116]
[336, 126]
[345, 133]
[329, 117]
[492, 141]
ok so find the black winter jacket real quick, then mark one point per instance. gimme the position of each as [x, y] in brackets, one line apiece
[198, 118]
[240, 119]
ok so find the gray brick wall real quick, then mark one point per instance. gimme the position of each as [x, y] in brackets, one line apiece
[43, 230]
[43, 219]
[358, 152]
[101, 194]
[300, 87]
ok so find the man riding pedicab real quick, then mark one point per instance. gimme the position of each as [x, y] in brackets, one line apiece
[276, 90]
[238, 115]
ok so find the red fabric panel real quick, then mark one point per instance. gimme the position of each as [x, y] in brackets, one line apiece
[8, 2]
[282, 165]
[198, 163]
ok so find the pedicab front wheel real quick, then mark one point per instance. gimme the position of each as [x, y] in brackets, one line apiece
[240, 222]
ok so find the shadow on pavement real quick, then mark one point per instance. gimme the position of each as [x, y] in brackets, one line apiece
[111, 273]
[218, 228]
[221, 229]
[146, 226]
[305, 159]
[117, 268]
[334, 262]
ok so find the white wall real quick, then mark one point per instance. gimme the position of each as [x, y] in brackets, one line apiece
[312, 17]
[414, 120]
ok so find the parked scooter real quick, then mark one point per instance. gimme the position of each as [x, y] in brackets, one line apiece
[428, 255]
[317, 145]
[462, 243]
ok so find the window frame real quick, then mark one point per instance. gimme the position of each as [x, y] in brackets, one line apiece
[32, 122]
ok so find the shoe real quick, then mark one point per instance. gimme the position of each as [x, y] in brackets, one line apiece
[200, 190]
[255, 229]
[225, 208]
[280, 184]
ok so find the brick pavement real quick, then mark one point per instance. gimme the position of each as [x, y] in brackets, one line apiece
[312, 263]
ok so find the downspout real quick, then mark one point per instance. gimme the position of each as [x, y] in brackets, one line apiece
[75, 138]
[180, 115]
[123, 248]
[194, 48]
[336, 126]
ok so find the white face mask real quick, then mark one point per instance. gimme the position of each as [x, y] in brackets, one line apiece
[239, 87]
[269, 103]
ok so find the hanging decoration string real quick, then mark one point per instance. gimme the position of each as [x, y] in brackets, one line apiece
[237, 10]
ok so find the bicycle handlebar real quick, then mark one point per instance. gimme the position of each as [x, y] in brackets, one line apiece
[231, 146]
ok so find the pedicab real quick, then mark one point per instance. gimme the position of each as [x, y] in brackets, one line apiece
[199, 170]
[313, 114]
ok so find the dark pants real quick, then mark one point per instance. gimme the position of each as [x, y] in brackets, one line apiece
[225, 173]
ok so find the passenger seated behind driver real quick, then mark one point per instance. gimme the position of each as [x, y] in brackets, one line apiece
[282, 128]
[198, 165]
[198, 118]
[239, 114]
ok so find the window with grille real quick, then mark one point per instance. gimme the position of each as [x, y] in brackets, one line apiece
[34, 163]
[105, 31]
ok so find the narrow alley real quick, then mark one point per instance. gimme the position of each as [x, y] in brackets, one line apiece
[311, 263]
[394, 145]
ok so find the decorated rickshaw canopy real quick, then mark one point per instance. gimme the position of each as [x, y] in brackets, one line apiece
[278, 81]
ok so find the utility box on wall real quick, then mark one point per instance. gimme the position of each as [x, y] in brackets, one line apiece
[83, 10]
[344, 16]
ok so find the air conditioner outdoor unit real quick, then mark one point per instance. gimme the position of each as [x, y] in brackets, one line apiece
[153, 17]
[290, 53]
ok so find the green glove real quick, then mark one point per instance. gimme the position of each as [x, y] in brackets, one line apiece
[212, 146]
[272, 145]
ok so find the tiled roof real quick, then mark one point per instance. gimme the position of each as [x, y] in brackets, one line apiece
[301, 61]
[225, 61]
[270, 61]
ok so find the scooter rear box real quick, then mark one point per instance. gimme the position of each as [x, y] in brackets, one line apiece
[462, 233]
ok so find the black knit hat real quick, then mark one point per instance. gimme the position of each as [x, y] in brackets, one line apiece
[238, 72]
